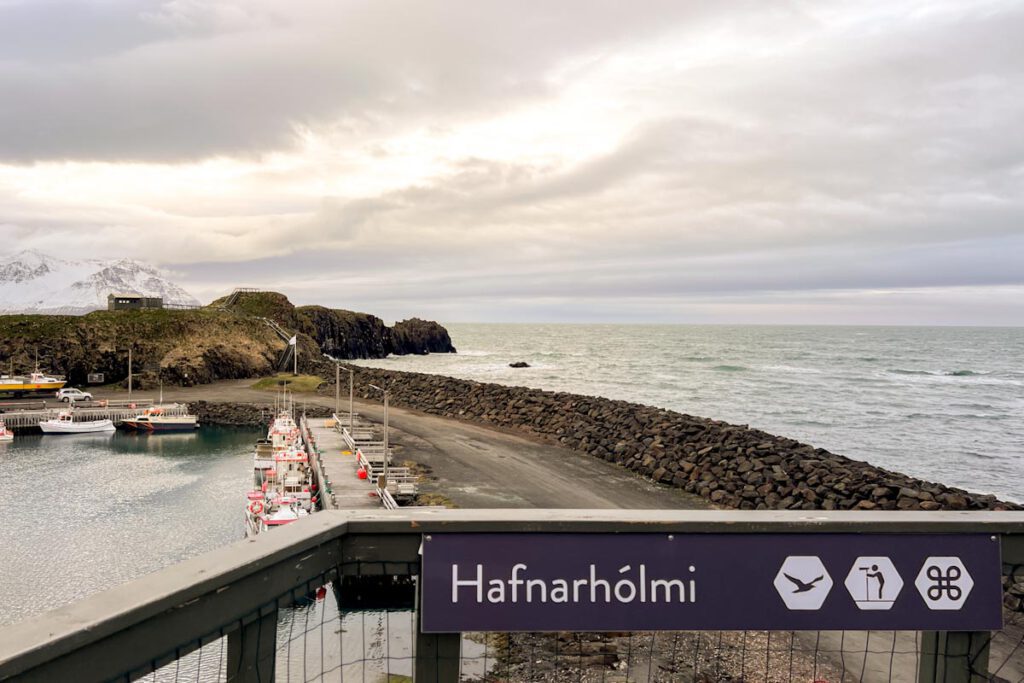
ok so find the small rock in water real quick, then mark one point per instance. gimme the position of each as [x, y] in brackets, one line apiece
[519, 364]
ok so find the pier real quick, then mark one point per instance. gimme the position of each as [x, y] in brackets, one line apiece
[337, 456]
[115, 411]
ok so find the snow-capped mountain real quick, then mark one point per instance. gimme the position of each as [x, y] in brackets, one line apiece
[32, 282]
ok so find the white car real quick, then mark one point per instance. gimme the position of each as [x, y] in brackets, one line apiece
[70, 394]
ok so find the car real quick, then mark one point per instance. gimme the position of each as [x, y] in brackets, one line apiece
[70, 394]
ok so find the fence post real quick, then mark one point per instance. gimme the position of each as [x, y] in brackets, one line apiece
[252, 650]
[954, 656]
[437, 657]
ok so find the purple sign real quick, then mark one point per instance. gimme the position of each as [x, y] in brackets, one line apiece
[693, 582]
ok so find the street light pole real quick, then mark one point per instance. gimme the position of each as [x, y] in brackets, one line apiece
[351, 404]
[337, 388]
[387, 455]
[129, 373]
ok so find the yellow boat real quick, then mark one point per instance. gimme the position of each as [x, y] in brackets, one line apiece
[31, 384]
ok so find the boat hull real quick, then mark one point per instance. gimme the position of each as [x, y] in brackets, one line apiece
[89, 427]
[159, 426]
[30, 387]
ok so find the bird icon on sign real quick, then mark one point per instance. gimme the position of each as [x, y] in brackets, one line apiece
[803, 583]
[803, 586]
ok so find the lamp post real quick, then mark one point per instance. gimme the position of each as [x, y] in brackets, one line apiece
[351, 404]
[387, 455]
[351, 394]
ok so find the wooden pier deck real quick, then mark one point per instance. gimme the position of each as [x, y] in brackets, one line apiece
[348, 491]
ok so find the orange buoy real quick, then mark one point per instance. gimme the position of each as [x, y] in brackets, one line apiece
[361, 472]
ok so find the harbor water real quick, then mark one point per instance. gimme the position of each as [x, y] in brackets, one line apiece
[84, 512]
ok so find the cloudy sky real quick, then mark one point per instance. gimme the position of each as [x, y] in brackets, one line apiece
[675, 161]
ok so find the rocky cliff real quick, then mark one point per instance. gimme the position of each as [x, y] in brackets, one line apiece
[346, 334]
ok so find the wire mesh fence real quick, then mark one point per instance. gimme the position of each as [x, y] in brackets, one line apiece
[315, 634]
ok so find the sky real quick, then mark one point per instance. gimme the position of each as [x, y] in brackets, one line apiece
[581, 160]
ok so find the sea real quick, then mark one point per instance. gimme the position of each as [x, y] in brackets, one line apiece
[944, 404]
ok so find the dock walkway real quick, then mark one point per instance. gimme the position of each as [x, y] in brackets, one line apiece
[348, 491]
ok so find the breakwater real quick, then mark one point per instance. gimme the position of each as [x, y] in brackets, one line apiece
[243, 414]
[730, 465]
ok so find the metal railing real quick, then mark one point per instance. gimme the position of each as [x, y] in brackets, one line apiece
[359, 435]
[260, 609]
[94, 410]
[237, 292]
[401, 482]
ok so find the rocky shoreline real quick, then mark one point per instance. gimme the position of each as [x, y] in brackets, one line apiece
[730, 465]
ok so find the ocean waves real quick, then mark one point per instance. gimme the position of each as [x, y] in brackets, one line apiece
[925, 401]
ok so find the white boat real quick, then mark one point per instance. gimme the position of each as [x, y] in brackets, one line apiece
[6, 435]
[156, 419]
[65, 423]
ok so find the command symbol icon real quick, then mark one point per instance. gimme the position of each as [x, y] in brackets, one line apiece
[944, 583]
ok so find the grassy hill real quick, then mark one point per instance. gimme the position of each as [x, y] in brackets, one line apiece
[200, 346]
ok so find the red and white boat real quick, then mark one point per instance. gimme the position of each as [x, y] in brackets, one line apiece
[6, 435]
[159, 419]
[283, 489]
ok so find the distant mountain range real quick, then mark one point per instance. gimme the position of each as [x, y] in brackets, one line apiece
[33, 282]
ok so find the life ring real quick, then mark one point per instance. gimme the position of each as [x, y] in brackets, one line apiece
[256, 507]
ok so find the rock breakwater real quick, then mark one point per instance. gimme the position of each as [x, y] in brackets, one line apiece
[730, 465]
[243, 414]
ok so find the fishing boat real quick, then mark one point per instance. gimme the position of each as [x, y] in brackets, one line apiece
[158, 419]
[283, 488]
[65, 423]
[6, 435]
[33, 383]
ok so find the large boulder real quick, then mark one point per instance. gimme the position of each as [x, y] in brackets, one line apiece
[420, 337]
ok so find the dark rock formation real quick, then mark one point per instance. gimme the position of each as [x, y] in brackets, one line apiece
[730, 465]
[519, 364]
[347, 334]
[420, 337]
[344, 334]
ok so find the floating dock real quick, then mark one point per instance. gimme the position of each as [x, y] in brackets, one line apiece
[115, 411]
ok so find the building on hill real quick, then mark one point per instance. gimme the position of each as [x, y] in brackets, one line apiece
[132, 302]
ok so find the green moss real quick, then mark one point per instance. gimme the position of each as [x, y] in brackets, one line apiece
[298, 384]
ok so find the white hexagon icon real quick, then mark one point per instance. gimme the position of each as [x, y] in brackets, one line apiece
[944, 583]
[874, 583]
[803, 582]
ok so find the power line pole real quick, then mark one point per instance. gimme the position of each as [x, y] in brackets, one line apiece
[337, 388]
[129, 373]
